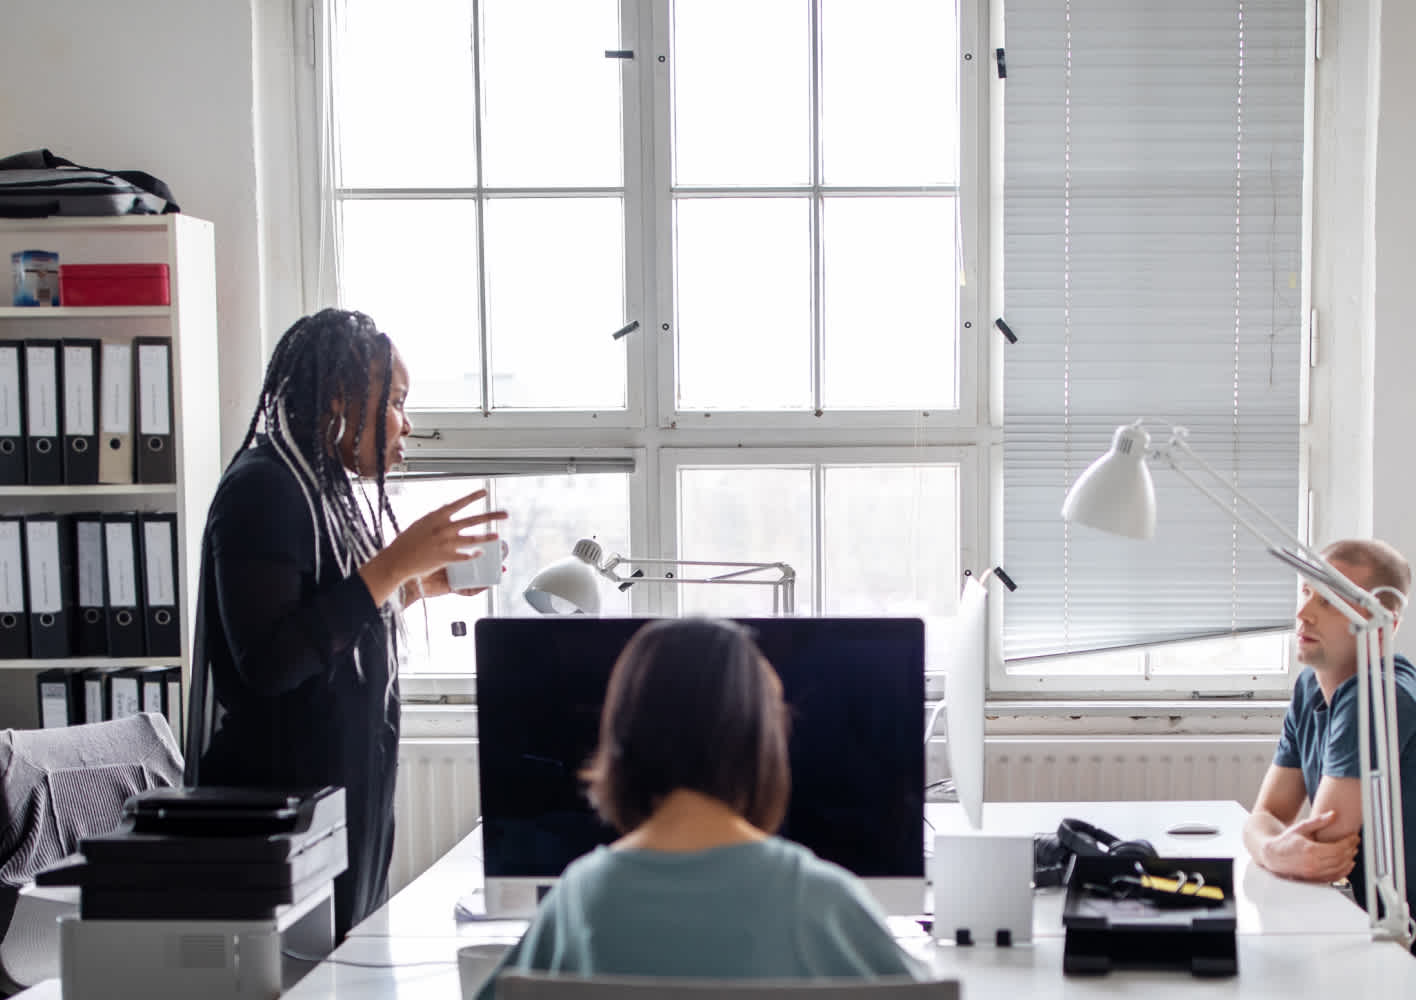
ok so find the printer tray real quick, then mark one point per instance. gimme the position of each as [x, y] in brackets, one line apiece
[193, 902]
[328, 856]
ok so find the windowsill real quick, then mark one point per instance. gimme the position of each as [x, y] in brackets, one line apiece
[443, 719]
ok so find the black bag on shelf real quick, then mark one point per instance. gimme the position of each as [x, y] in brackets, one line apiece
[37, 184]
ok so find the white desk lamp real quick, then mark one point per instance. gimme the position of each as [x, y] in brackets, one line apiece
[571, 585]
[1116, 495]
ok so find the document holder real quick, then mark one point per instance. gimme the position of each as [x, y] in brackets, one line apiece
[1106, 931]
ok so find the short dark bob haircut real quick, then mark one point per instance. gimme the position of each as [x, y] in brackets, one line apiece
[692, 704]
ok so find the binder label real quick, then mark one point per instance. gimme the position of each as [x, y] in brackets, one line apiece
[44, 575]
[152, 696]
[152, 384]
[53, 705]
[78, 391]
[12, 580]
[157, 547]
[122, 566]
[117, 372]
[89, 538]
[93, 699]
[43, 384]
[124, 693]
[9, 391]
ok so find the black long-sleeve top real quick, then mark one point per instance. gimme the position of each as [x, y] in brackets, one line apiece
[278, 699]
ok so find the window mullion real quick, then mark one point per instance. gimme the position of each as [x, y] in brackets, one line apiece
[816, 215]
[484, 340]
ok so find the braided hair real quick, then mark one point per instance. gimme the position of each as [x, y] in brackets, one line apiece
[332, 357]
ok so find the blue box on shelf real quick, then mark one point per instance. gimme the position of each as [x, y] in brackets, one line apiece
[36, 277]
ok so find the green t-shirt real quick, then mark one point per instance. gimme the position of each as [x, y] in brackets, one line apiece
[763, 910]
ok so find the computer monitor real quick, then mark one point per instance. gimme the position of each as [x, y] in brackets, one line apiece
[855, 691]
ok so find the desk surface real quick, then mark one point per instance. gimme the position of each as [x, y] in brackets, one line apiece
[1271, 967]
[1294, 939]
[1266, 903]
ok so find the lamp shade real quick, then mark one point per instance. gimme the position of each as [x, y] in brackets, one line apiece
[568, 586]
[1116, 494]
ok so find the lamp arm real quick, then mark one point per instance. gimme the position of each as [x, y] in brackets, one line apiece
[783, 587]
[1310, 564]
[1178, 444]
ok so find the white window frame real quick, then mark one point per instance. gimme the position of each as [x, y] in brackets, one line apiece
[661, 437]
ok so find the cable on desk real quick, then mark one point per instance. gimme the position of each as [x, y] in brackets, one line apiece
[316, 960]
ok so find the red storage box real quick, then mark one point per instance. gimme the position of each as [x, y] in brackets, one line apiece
[113, 285]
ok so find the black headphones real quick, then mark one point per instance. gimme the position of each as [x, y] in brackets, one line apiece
[1052, 855]
[1093, 842]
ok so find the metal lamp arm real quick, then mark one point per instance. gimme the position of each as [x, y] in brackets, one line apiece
[783, 586]
[1309, 563]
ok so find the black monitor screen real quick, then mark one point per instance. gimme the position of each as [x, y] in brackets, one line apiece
[855, 691]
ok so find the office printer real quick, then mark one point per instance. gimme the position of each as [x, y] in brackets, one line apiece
[203, 891]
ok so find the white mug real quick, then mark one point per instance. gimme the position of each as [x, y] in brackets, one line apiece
[484, 570]
[475, 962]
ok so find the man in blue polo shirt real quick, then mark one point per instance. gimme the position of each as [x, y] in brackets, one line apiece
[1317, 758]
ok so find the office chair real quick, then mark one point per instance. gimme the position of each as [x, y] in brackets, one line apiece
[59, 786]
[549, 986]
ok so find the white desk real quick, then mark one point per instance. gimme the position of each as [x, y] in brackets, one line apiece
[1294, 939]
[1266, 903]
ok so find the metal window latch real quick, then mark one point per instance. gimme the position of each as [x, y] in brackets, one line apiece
[1221, 695]
[1002, 64]
[1006, 330]
[625, 330]
[619, 53]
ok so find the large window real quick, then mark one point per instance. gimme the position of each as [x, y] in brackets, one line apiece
[754, 250]
[761, 197]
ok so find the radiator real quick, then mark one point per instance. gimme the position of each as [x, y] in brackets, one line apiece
[1100, 769]
[438, 801]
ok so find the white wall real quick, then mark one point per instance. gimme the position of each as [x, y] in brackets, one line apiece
[1343, 199]
[1394, 486]
[163, 86]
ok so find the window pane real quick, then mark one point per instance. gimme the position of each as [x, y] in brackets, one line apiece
[431, 645]
[551, 98]
[745, 515]
[555, 294]
[1251, 654]
[393, 132]
[744, 303]
[412, 266]
[741, 92]
[548, 514]
[891, 539]
[891, 307]
[889, 109]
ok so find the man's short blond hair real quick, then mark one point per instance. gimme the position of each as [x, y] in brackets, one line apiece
[1385, 566]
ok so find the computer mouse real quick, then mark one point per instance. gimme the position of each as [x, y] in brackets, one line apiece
[1193, 830]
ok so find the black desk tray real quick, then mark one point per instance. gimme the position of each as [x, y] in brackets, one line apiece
[322, 859]
[218, 826]
[1105, 933]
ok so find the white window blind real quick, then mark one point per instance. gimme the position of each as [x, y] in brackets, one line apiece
[1153, 268]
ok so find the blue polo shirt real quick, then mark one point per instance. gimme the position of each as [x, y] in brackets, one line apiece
[1321, 739]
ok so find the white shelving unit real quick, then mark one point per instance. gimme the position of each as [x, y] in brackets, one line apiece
[186, 245]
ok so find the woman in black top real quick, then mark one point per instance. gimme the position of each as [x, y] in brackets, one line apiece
[294, 679]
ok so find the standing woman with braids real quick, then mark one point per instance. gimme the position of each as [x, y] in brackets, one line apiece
[294, 673]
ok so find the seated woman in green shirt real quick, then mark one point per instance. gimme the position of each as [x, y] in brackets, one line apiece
[692, 769]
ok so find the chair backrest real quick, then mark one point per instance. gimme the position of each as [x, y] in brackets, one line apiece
[58, 786]
[550, 986]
